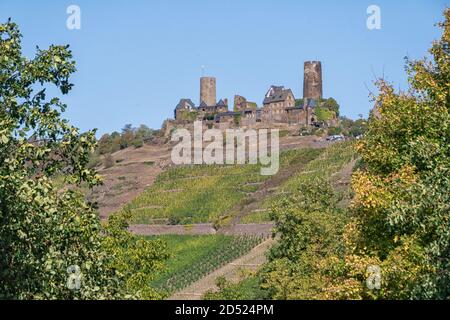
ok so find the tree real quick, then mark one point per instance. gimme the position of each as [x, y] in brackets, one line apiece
[108, 161]
[105, 144]
[116, 140]
[353, 128]
[51, 243]
[323, 114]
[44, 231]
[144, 132]
[331, 104]
[127, 136]
[138, 142]
[136, 259]
[401, 213]
[310, 226]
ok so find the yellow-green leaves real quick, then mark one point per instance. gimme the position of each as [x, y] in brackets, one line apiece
[402, 217]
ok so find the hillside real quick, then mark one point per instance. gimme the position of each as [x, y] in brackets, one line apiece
[136, 169]
[204, 213]
[210, 215]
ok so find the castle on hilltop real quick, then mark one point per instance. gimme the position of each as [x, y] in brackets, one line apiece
[279, 106]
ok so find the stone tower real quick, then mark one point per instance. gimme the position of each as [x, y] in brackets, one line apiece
[208, 91]
[312, 83]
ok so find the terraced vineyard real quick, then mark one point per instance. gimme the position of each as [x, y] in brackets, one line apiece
[197, 194]
[196, 256]
[194, 194]
[331, 161]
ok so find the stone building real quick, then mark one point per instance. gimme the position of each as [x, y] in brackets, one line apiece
[209, 111]
[241, 104]
[276, 100]
[279, 105]
[185, 106]
[227, 117]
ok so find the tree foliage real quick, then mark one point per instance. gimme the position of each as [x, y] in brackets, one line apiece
[330, 104]
[130, 136]
[52, 245]
[401, 219]
[135, 259]
[247, 289]
[310, 226]
[353, 128]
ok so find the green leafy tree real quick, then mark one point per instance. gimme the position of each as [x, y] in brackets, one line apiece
[43, 230]
[105, 144]
[323, 114]
[402, 191]
[138, 142]
[135, 259]
[331, 104]
[353, 128]
[127, 136]
[52, 245]
[144, 132]
[310, 226]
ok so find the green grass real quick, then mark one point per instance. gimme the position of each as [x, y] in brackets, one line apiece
[193, 257]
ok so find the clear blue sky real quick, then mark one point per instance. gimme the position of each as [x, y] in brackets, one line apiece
[135, 59]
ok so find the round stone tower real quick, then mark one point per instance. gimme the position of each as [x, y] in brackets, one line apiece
[208, 91]
[312, 83]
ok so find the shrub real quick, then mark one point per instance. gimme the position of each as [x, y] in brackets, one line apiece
[94, 161]
[108, 161]
[138, 143]
[323, 114]
[334, 131]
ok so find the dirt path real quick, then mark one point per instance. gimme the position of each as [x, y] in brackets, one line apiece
[231, 271]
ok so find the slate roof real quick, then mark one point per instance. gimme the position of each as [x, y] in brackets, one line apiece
[279, 94]
[311, 103]
[221, 103]
[182, 102]
[294, 108]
